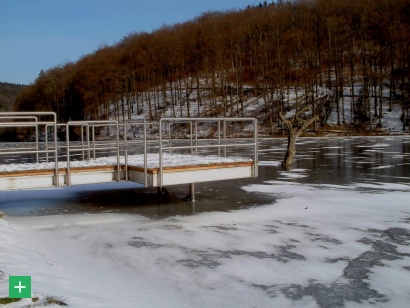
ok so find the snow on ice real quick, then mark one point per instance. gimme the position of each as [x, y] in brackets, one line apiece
[316, 246]
[334, 243]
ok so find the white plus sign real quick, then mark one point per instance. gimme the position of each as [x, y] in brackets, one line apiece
[19, 287]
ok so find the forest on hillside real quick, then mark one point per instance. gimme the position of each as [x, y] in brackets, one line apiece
[8, 94]
[353, 48]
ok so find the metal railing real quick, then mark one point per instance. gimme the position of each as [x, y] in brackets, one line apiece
[193, 134]
[130, 123]
[24, 118]
[17, 118]
[88, 145]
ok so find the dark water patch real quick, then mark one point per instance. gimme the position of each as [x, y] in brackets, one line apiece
[221, 228]
[142, 243]
[324, 238]
[211, 258]
[294, 224]
[201, 258]
[398, 236]
[384, 246]
[289, 255]
[131, 198]
[334, 295]
[271, 291]
[171, 227]
[271, 229]
[335, 260]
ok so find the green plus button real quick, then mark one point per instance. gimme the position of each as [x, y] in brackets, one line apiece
[19, 286]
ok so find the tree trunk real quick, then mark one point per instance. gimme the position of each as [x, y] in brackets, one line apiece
[296, 126]
[291, 149]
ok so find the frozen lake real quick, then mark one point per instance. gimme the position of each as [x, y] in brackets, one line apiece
[332, 232]
[325, 161]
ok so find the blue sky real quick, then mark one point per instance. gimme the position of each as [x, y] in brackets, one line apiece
[40, 34]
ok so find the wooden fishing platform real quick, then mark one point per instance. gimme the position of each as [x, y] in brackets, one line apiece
[76, 163]
[172, 175]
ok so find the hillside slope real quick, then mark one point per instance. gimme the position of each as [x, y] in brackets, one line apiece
[187, 103]
[8, 94]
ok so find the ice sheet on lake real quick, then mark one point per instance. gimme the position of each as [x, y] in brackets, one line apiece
[316, 246]
[269, 163]
[377, 145]
[383, 167]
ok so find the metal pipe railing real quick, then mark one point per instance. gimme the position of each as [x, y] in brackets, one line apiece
[144, 141]
[88, 143]
[22, 115]
[88, 148]
[28, 118]
[219, 146]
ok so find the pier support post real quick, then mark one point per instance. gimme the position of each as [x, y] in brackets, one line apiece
[192, 191]
[191, 195]
[162, 191]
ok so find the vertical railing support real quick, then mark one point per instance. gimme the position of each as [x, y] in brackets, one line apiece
[126, 151]
[219, 138]
[144, 125]
[255, 150]
[93, 141]
[224, 128]
[196, 138]
[191, 137]
[67, 146]
[118, 150]
[160, 184]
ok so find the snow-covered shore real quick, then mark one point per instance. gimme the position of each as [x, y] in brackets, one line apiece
[316, 246]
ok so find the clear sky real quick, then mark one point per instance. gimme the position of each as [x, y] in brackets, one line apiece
[40, 34]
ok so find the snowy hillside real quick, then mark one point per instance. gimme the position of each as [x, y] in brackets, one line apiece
[192, 100]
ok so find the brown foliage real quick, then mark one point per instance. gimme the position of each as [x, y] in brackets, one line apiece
[294, 44]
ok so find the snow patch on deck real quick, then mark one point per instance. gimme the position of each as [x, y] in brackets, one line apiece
[169, 160]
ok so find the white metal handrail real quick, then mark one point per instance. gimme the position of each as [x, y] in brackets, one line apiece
[93, 148]
[88, 142]
[219, 146]
[33, 116]
[144, 141]
[25, 118]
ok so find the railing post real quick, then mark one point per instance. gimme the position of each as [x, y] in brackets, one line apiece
[160, 153]
[144, 125]
[67, 134]
[219, 138]
[57, 179]
[93, 142]
[255, 140]
[88, 141]
[118, 151]
[224, 128]
[36, 140]
[82, 140]
[125, 151]
[46, 142]
[196, 137]
[190, 136]
[169, 136]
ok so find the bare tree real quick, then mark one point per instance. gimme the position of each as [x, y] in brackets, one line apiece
[295, 126]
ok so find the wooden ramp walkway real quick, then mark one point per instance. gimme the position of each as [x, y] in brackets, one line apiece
[163, 161]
